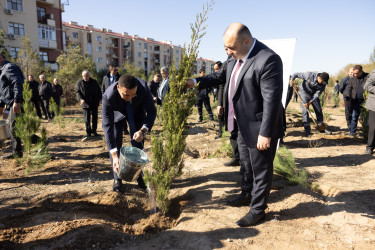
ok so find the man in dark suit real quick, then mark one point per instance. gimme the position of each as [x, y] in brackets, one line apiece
[110, 78]
[128, 100]
[253, 77]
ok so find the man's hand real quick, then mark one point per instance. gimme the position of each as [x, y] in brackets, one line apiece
[155, 99]
[291, 83]
[116, 162]
[189, 83]
[263, 143]
[16, 108]
[138, 136]
[82, 101]
[220, 110]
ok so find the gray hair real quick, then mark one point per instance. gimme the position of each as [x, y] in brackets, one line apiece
[40, 76]
[164, 69]
[86, 72]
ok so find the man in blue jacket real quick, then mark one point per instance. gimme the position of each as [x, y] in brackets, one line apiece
[128, 100]
[11, 89]
[311, 88]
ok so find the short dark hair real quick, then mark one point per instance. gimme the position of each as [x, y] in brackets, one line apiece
[202, 70]
[337, 81]
[128, 81]
[244, 32]
[157, 75]
[357, 67]
[219, 64]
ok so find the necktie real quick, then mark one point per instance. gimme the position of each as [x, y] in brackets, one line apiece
[231, 94]
[130, 118]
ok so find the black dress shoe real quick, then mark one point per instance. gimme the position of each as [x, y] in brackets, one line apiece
[243, 199]
[117, 185]
[218, 136]
[232, 163]
[95, 134]
[141, 182]
[250, 219]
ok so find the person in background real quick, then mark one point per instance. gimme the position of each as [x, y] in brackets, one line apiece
[336, 92]
[110, 78]
[354, 90]
[45, 93]
[57, 92]
[35, 98]
[164, 86]
[370, 105]
[203, 98]
[89, 96]
[312, 86]
[128, 100]
[343, 84]
[153, 86]
[219, 108]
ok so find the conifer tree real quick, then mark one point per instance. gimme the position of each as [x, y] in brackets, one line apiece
[168, 147]
[58, 112]
[27, 125]
[3, 50]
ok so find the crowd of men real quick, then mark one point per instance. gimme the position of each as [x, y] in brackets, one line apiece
[248, 87]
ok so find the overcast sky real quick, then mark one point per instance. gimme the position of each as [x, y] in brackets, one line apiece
[330, 34]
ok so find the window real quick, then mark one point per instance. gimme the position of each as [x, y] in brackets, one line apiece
[106, 40]
[145, 55]
[99, 39]
[177, 51]
[139, 54]
[75, 34]
[139, 64]
[89, 49]
[88, 37]
[14, 5]
[46, 32]
[43, 56]
[40, 12]
[16, 29]
[139, 45]
[106, 50]
[107, 61]
[167, 50]
[98, 48]
[99, 59]
[145, 46]
[14, 52]
[150, 47]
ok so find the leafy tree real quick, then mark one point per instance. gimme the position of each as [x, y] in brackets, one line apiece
[132, 69]
[168, 147]
[71, 64]
[27, 125]
[29, 62]
[3, 50]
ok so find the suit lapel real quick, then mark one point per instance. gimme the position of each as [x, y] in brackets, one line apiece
[229, 73]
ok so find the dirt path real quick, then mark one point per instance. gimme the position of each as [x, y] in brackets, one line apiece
[69, 203]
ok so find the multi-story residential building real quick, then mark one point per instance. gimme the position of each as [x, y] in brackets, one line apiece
[206, 64]
[40, 19]
[107, 47]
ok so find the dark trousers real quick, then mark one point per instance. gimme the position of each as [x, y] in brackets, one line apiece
[221, 123]
[37, 108]
[371, 130]
[233, 141]
[58, 101]
[348, 112]
[257, 173]
[206, 101]
[45, 108]
[355, 107]
[15, 141]
[305, 114]
[91, 112]
[289, 95]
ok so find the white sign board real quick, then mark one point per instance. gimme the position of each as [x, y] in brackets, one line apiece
[285, 49]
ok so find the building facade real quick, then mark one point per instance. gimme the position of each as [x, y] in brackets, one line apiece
[107, 47]
[41, 20]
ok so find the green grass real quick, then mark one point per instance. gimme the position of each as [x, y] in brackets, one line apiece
[225, 149]
[285, 165]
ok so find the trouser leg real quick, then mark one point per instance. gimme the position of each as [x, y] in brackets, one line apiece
[348, 113]
[117, 130]
[199, 107]
[37, 108]
[221, 123]
[318, 110]
[355, 107]
[47, 112]
[207, 105]
[371, 130]
[305, 117]
[233, 142]
[15, 141]
[94, 113]
[86, 113]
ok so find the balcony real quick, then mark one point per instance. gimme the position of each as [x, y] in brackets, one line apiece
[114, 55]
[53, 66]
[47, 44]
[47, 2]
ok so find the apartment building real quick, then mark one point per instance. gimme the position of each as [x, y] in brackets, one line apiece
[107, 47]
[41, 20]
[206, 64]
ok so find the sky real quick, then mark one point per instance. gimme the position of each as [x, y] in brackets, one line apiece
[330, 33]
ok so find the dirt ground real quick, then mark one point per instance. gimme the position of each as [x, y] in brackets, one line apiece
[69, 203]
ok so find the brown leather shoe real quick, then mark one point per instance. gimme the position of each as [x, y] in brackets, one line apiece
[250, 219]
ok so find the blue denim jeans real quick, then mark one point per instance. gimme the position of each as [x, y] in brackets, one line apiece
[356, 111]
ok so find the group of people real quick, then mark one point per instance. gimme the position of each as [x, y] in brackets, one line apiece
[249, 91]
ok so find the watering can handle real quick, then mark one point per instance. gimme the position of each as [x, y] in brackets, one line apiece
[143, 145]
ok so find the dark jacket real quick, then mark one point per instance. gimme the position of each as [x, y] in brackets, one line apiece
[343, 84]
[106, 81]
[153, 87]
[89, 92]
[34, 87]
[45, 90]
[353, 85]
[257, 98]
[11, 84]
[114, 111]
[370, 87]
[57, 92]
